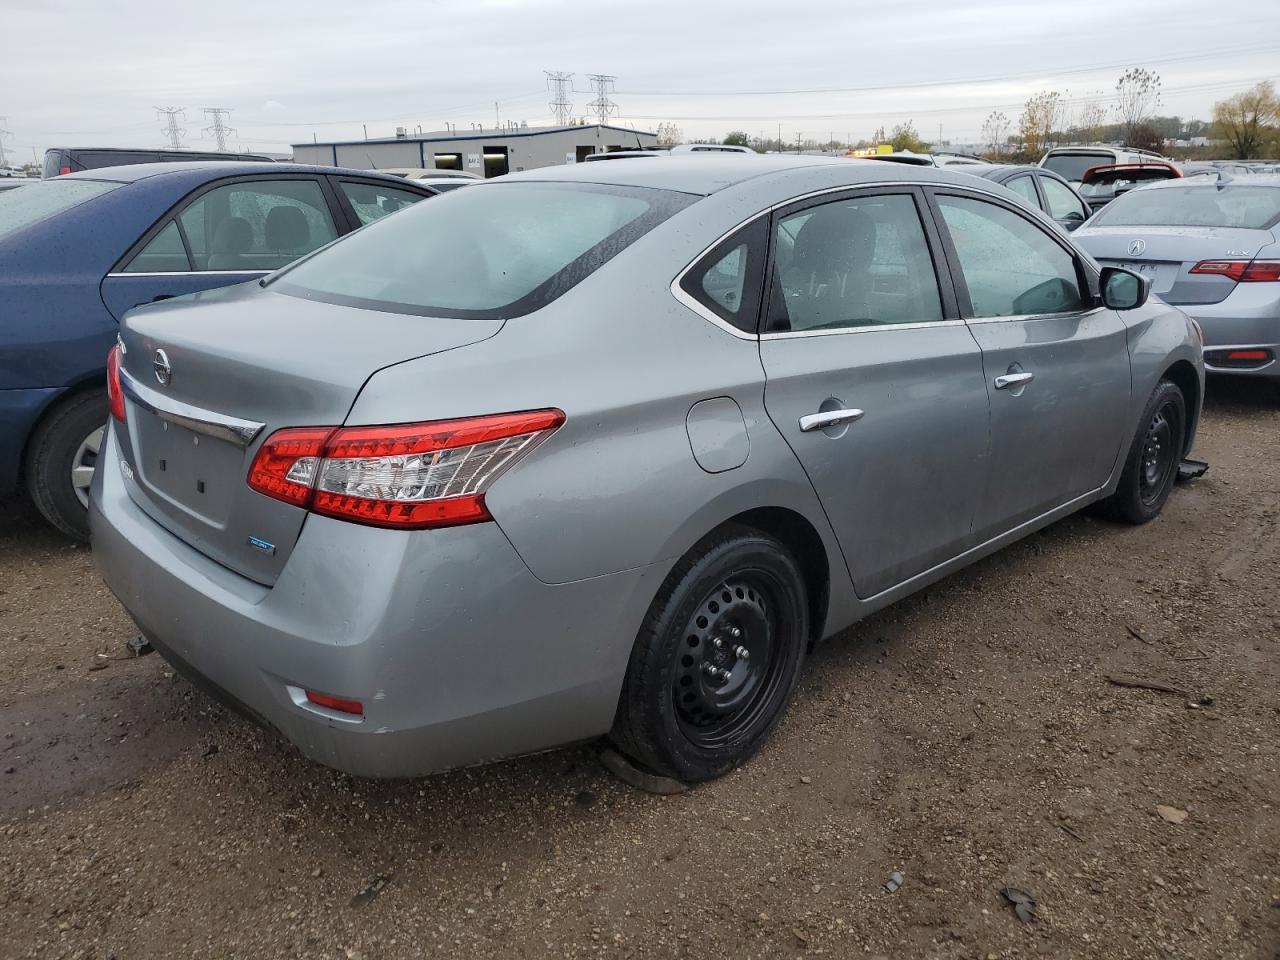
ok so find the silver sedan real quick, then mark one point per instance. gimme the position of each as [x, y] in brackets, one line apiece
[602, 449]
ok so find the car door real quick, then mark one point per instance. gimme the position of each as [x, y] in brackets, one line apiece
[228, 232]
[875, 381]
[1056, 361]
[1062, 203]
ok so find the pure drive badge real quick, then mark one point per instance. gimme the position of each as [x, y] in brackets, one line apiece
[265, 546]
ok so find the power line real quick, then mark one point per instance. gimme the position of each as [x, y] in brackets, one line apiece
[602, 106]
[558, 83]
[171, 129]
[998, 78]
[217, 128]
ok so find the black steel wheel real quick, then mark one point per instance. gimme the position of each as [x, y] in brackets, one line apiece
[717, 659]
[1151, 468]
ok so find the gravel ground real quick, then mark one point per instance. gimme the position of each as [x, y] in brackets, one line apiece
[967, 738]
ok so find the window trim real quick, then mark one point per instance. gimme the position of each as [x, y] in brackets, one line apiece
[754, 233]
[948, 300]
[687, 299]
[1085, 275]
[191, 196]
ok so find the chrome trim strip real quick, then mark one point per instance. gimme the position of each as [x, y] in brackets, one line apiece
[217, 425]
[679, 293]
[191, 273]
[1038, 316]
[865, 328]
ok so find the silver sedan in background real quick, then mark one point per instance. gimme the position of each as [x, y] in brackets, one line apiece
[1210, 244]
[602, 449]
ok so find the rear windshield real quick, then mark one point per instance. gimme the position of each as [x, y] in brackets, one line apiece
[1203, 205]
[1071, 166]
[40, 201]
[501, 250]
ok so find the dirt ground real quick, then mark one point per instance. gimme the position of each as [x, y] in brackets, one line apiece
[967, 738]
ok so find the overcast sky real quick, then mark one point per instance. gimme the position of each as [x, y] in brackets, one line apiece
[85, 72]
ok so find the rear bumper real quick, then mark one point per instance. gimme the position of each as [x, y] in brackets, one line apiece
[1248, 319]
[458, 654]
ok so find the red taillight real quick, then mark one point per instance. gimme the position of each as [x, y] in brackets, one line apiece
[1241, 271]
[115, 395]
[63, 171]
[409, 476]
[336, 703]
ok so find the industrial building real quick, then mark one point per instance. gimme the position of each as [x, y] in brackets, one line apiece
[487, 153]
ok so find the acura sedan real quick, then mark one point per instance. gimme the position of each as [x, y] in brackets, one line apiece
[1211, 245]
[603, 449]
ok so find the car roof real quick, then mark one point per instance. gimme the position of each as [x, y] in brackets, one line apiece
[709, 173]
[993, 170]
[195, 169]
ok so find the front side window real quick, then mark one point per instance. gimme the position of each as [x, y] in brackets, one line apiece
[256, 225]
[164, 254]
[1010, 265]
[1064, 204]
[1026, 189]
[853, 263]
[503, 251]
[373, 201]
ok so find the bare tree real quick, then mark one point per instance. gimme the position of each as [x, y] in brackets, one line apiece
[1041, 116]
[994, 130]
[1137, 97]
[1091, 119]
[1248, 120]
[669, 134]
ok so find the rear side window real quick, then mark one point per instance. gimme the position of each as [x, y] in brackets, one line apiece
[40, 201]
[1063, 202]
[373, 201]
[164, 254]
[256, 225]
[503, 251]
[853, 263]
[1011, 266]
[1205, 205]
[727, 280]
[1026, 189]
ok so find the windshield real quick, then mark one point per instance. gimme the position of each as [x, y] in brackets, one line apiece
[1202, 205]
[1071, 166]
[493, 252]
[40, 201]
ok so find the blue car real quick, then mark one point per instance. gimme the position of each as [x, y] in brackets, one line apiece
[78, 251]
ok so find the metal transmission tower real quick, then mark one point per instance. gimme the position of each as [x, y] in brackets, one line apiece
[217, 128]
[558, 82]
[171, 129]
[602, 106]
[3, 133]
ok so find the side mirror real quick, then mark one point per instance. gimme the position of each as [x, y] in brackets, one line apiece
[1123, 289]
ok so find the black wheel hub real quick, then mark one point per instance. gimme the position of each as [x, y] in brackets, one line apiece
[1158, 449]
[726, 662]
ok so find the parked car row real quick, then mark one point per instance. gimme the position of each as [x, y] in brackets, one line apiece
[314, 489]
[80, 250]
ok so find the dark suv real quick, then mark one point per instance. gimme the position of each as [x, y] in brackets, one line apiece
[59, 161]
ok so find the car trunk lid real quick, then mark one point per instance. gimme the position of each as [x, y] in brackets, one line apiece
[207, 378]
[1168, 254]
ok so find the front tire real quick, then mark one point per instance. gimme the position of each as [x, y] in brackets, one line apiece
[1151, 467]
[61, 459]
[717, 659]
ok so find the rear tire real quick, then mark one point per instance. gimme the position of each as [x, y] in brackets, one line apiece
[717, 658]
[1151, 468]
[61, 458]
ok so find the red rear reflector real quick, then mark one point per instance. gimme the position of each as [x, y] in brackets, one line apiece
[1242, 271]
[1248, 355]
[409, 476]
[336, 703]
[115, 394]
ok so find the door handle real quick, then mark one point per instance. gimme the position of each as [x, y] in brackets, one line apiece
[1007, 380]
[828, 418]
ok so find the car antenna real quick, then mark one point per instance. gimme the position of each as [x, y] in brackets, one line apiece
[372, 165]
[1223, 179]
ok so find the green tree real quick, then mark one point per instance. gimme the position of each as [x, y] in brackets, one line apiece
[737, 138]
[904, 137]
[1248, 121]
